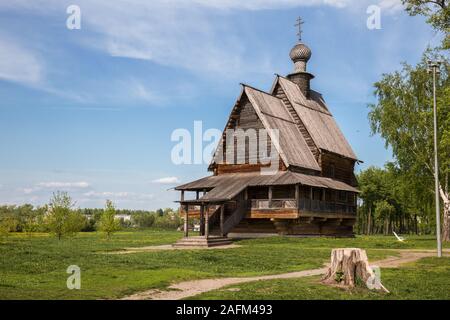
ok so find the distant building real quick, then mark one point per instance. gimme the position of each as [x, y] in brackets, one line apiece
[124, 217]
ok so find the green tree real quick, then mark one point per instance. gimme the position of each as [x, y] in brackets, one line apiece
[384, 212]
[437, 13]
[108, 222]
[61, 219]
[403, 117]
[372, 186]
[7, 224]
[144, 219]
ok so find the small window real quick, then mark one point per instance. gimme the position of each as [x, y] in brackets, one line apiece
[331, 170]
[342, 196]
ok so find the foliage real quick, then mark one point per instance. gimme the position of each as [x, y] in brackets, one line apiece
[403, 116]
[144, 219]
[108, 222]
[339, 276]
[392, 200]
[61, 219]
[437, 13]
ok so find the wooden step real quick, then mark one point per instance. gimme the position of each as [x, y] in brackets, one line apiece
[201, 241]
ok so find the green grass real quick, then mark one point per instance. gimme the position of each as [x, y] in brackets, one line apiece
[35, 267]
[429, 278]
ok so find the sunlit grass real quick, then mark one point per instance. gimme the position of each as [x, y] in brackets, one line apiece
[429, 278]
[34, 267]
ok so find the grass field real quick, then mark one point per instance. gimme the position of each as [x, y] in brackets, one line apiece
[429, 278]
[35, 267]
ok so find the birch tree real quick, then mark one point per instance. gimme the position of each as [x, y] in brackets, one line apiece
[403, 116]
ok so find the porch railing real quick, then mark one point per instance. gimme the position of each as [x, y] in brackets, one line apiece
[276, 204]
[304, 204]
[195, 209]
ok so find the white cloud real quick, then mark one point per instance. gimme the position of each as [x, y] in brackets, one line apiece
[18, 64]
[194, 35]
[121, 195]
[392, 6]
[70, 185]
[269, 4]
[54, 185]
[28, 190]
[167, 180]
[142, 92]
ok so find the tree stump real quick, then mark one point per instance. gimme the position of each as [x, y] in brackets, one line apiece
[349, 265]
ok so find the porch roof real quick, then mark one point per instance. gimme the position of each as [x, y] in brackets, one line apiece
[226, 186]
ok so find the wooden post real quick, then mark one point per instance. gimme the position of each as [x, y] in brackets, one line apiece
[207, 222]
[202, 223]
[222, 217]
[197, 194]
[270, 196]
[186, 223]
[297, 195]
[311, 193]
[181, 200]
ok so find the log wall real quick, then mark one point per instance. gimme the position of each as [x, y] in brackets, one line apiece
[245, 160]
[297, 227]
[337, 167]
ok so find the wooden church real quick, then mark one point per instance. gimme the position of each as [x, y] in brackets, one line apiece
[313, 190]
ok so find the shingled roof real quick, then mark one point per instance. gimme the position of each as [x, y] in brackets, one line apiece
[317, 119]
[274, 115]
[227, 186]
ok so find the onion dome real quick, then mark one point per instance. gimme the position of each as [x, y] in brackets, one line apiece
[300, 52]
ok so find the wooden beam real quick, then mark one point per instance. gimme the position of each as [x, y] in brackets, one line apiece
[207, 222]
[197, 194]
[270, 196]
[186, 223]
[273, 213]
[222, 219]
[297, 195]
[181, 200]
[202, 222]
[311, 193]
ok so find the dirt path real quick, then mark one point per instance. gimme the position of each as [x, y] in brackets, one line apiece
[191, 288]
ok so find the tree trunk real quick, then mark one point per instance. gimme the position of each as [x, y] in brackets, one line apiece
[369, 220]
[446, 222]
[416, 229]
[349, 265]
[446, 217]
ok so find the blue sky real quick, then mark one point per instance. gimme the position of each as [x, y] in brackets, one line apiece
[91, 111]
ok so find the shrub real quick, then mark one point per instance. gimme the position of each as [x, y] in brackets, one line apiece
[144, 220]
